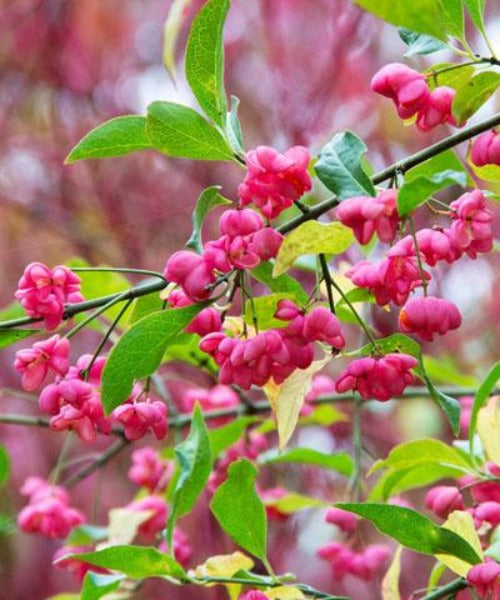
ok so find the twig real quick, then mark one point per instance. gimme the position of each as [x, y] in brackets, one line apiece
[446, 590]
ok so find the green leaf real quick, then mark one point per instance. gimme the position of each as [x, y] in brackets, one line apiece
[205, 59]
[413, 530]
[339, 166]
[425, 16]
[475, 8]
[452, 14]
[86, 535]
[429, 177]
[119, 136]
[312, 238]
[12, 311]
[417, 452]
[209, 199]
[474, 94]
[455, 77]
[418, 43]
[340, 461]
[416, 192]
[12, 336]
[173, 24]
[223, 437]
[194, 457]
[97, 585]
[139, 351]
[283, 283]
[181, 132]
[233, 126]
[185, 347]
[481, 397]
[136, 562]
[461, 523]
[239, 510]
[437, 572]
[292, 503]
[145, 305]
[4, 464]
[263, 308]
[444, 370]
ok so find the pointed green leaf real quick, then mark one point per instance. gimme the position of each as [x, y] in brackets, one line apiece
[413, 530]
[481, 397]
[179, 131]
[139, 351]
[239, 510]
[12, 336]
[137, 562]
[263, 309]
[339, 461]
[209, 199]
[97, 585]
[339, 166]
[194, 457]
[177, 13]
[205, 59]
[474, 94]
[119, 136]
[312, 237]
[455, 77]
[233, 125]
[4, 464]
[475, 8]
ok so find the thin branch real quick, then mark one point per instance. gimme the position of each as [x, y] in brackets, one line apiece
[446, 590]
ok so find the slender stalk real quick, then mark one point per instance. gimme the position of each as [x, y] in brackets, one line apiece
[118, 270]
[357, 447]
[68, 441]
[419, 257]
[93, 316]
[357, 316]
[327, 278]
[446, 590]
[437, 72]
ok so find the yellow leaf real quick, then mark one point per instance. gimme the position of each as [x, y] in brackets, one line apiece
[390, 582]
[312, 238]
[291, 399]
[461, 523]
[488, 427]
[284, 592]
[224, 565]
[272, 392]
[179, 10]
[124, 523]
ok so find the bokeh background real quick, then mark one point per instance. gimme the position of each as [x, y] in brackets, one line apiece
[301, 69]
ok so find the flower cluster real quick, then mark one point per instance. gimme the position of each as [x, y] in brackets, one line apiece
[364, 564]
[243, 244]
[36, 362]
[274, 181]
[486, 149]
[48, 511]
[44, 292]
[381, 378]
[149, 471]
[410, 92]
[274, 353]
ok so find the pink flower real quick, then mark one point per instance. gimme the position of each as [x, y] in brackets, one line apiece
[340, 557]
[322, 326]
[205, 322]
[44, 292]
[407, 88]
[341, 518]
[487, 491]
[367, 215]
[157, 507]
[149, 471]
[489, 512]
[138, 417]
[428, 315]
[485, 579]
[471, 228]
[182, 548]
[434, 245]
[486, 149]
[242, 222]
[253, 595]
[443, 500]
[370, 561]
[266, 243]
[48, 511]
[379, 378]
[34, 363]
[437, 110]
[274, 181]
[192, 272]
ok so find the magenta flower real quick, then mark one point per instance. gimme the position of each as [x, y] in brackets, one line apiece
[427, 316]
[486, 149]
[407, 88]
[44, 292]
[444, 499]
[471, 228]
[35, 363]
[149, 471]
[485, 579]
[138, 417]
[343, 519]
[438, 109]
[157, 507]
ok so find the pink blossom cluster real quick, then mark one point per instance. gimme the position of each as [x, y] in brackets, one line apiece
[364, 564]
[381, 378]
[410, 92]
[44, 292]
[273, 353]
[149, 471]
[367, 216]
[36, 362]
[486, 149]
[48, 511]
[485, 579]
[250, 446]
[444, 499]
[217, 398]
[243, 244]
[274, 181]
[74, 403]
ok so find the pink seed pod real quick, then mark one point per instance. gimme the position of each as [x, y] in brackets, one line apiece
[35, 363]
[443, 500]
[139, 417]
[471, 230]
[192, 272]
[485, 579]
[428, 315]
[341, 518]
[242, 222]
[486, 149]
[149, 471]
[438, 109]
